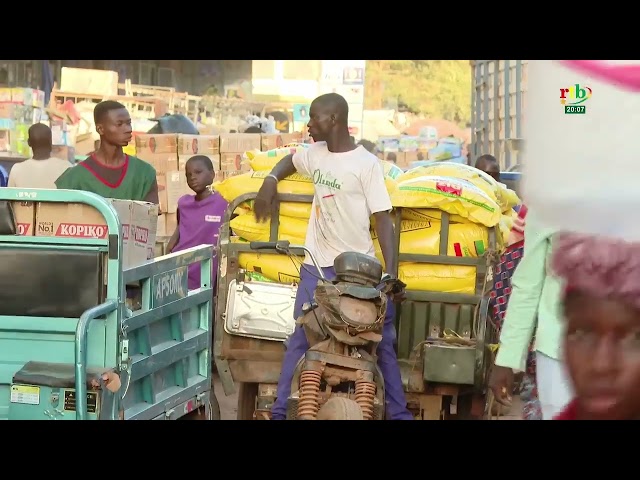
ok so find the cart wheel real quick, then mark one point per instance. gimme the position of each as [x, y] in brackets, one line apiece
[247, 395]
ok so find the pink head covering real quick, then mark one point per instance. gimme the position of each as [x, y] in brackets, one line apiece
[598, 265]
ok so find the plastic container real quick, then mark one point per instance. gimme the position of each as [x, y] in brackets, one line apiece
[581, 159]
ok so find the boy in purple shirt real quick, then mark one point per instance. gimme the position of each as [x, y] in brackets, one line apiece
[199, 216]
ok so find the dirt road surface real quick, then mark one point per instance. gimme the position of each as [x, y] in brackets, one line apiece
[228, 404]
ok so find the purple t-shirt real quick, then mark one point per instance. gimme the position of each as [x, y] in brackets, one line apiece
[199, 223]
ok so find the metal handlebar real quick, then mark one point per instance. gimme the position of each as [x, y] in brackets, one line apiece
[81, 353]
[284, 247]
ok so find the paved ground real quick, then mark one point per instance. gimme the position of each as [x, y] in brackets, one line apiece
[228, 405]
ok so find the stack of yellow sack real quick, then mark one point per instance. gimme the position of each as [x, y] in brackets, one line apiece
[474, 201]
[424, 193]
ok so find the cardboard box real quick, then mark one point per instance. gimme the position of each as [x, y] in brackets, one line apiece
[75, 220]
[404, 159]
[234, 162]
[7, 124]
[425, 145]
[239, 142]
[19, 136]
[64, 152]
[408, 143]
[143, 229]
[5, 140]
[389, 144]
[198, 145]
[171, 186]
[160, 143]
[5, 94]
[25, 217]
[271, 141]
[167, 224]
[221, 175]
[23, 96]
[162, 162]
[18, 113]
[182, 161]
[28, 97]
[39, 99]
[413, 157]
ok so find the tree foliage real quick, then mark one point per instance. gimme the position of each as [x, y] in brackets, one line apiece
[433, 88]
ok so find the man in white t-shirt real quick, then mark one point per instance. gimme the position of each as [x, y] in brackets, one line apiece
[42, 170]
[349, 188]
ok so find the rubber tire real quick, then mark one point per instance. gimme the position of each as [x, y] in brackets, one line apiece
[340, 408]
[247, 394]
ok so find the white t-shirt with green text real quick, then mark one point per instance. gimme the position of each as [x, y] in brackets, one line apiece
[349, 188]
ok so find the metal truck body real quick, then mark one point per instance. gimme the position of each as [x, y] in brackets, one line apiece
[498, 100]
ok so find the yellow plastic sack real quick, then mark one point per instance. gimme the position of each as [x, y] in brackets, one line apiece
[438, 278]
[505, 197]
[279, 268]
[391, 173]
[510, 199]
[130, 149]
[242, 209]
[453, 195]
[391, 170]
[465, 239]
[275, 267]
[429, 215]
[267, 160]
[505, 227]
[447, 169]
[232, 187]
[391, 185]
[289, 209]
[292, 229]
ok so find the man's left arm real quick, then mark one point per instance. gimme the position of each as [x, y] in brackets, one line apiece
[152, 196]
[379, 205]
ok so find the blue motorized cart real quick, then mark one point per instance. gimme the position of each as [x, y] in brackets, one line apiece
[70, 346]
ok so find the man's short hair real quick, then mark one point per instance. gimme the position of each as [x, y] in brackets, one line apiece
[486, 158]
[103, 108]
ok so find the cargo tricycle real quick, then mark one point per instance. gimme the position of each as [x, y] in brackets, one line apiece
[71, 346]
[443, 339]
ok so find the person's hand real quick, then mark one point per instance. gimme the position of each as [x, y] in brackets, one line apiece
[517, 231]
[400, 294]
[501, 384]
[266, 200]
[394, 288]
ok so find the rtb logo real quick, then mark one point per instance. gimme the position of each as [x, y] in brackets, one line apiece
[573, 97]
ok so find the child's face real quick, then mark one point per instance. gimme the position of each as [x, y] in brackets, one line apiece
[198, 176]
[602, 348]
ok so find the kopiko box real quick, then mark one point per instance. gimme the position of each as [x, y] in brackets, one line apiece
[139, 222]
[24, 213]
